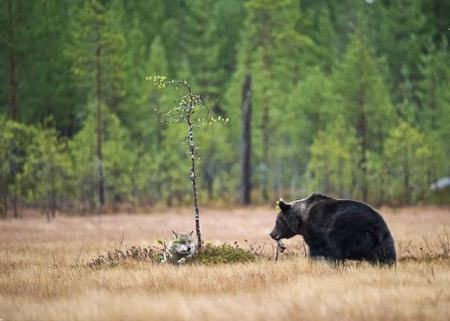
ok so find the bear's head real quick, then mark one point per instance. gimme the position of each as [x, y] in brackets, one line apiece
[291, 217]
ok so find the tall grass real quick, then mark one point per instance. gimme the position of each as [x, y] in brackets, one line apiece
[44, 275]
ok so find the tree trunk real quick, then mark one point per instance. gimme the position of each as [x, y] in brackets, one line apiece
[12, 61]
[363, 165]
[53, 200]
[98, 93]
[12, 87]
[246, 143]
[16, 212]
[3, 194]
[209, 180]
[266, 44]
[265, 152]
[406, 178]
[47, 194]
[12, 189]
[194, 185]
[363, 133]
[192, 148]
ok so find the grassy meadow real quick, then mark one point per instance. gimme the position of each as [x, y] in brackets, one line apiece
[44, 275]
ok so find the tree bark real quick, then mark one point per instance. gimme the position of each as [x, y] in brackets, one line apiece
[362, 128]
[406, 178]
[12, 89]
[53, 196]
[47, 193]
[192, 148]
[246, 144]
[12, 61]
[266, 44]
[265, 151]
[3, 193]
[14, 200]
[98, 93]
[193, 177]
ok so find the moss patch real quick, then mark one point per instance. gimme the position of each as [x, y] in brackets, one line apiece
[223, 254]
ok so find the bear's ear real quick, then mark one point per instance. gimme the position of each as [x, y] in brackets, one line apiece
[283, 205]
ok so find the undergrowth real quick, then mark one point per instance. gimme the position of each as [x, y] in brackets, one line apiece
[429, 253]
[223, 254]
[210, 254]
[134, 253]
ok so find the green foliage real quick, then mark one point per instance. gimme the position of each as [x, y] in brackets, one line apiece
[46, 173]
[313, 105]
[15, 139]
[411, 160]
[223, 254]
[95, 48]
[333, 85]
[333, 167]
[364, 100]
[119, 162]
[365, 104]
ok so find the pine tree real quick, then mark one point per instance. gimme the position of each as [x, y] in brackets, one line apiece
[434, 115]
[96, 51]
[13, 23]
[269, 43]
[365, 103]
[313, 105]
[46, 84]
[331, 168]
[15, 139]
[119, 162]
[45, 178]
[201, 47]
[402, 43]
[409, 157]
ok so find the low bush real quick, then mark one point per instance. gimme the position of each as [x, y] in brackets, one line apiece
[134, 253]
[223, 254]
[210, 254]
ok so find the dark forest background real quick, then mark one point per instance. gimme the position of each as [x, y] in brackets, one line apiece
[349, 97]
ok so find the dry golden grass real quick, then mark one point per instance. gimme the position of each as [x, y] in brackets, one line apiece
[43, 277]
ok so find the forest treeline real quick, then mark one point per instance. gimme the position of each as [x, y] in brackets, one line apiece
[348, 97]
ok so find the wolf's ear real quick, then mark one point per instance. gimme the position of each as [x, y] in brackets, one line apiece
[192, 232]
[175, 235]
[283, 205]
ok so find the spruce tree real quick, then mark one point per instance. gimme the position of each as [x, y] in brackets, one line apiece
[365, 103]
[95, 49]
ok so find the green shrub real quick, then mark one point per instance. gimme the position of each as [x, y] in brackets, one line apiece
[223, 254]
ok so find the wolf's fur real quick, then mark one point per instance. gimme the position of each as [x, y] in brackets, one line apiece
[180, 249]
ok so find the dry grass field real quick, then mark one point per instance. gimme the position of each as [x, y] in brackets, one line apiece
[43, 275]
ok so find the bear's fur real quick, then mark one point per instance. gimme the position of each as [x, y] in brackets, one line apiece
[336, 229]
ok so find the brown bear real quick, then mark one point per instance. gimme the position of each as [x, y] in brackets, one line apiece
[336, 229]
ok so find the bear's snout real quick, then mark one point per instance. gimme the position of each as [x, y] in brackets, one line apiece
[274, 235]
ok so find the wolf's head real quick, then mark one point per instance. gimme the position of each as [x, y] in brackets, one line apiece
[182, 244]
